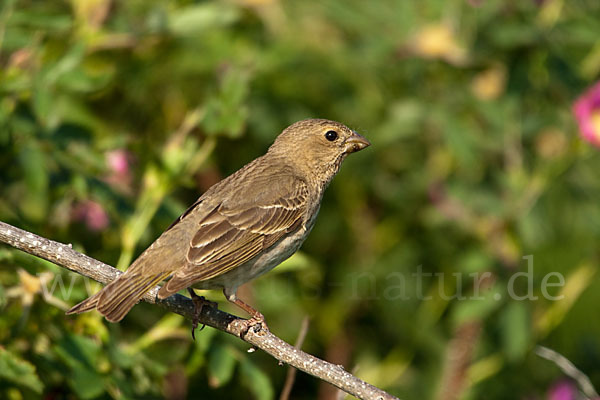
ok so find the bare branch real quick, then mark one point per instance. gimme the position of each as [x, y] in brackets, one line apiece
[291, 373]
[569, 369]
[64, 256]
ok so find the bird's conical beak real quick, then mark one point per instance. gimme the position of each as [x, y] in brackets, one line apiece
[356, 143]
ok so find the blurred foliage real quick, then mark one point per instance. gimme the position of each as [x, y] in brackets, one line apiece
[114, 116]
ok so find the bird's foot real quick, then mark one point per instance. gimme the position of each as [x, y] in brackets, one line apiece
[199, 303]
[256, 323]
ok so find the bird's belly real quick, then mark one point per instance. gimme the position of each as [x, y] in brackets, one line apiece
[257, 266]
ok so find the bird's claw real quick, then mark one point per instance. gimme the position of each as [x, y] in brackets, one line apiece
[194, 326]
[256, 323]
[199, 303]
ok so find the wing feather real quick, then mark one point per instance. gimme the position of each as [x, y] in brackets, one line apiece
[230, 236]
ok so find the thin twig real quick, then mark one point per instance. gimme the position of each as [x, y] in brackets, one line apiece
[569, 369]
[340, 394]
[291, 373]
[64, 256]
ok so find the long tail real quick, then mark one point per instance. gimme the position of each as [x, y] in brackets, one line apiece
[118, 297]
[86, 305]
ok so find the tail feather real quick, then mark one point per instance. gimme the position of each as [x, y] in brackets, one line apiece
[88, 304]
[118, 297]
[122, 294]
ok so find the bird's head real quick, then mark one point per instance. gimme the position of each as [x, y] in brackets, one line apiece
[318, 145]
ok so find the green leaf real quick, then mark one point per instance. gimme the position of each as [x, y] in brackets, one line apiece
[198, 18]
[33, 162]
[42, 103]
[402, 122]
[226, 112]
[3, 299]
[256, 380]
[298, 261]
[121, 358]
[18, 371]
[66, 66]
[82, 354]
[477, 306]
[202, 343]
[87, 383]
[78, 351]
[221, 363]
[516, 330]
[44, 20]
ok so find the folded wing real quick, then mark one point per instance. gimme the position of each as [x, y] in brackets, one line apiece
[231, 235]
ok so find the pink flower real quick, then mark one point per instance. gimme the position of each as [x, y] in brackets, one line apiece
[118, 161]
[587, 113]
[562, 390]
[92, 214]
[119, 165]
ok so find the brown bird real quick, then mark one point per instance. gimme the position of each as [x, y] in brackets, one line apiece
[241, 227]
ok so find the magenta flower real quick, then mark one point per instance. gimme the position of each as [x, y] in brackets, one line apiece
[119, 165]
[118, 161]
[587, 113]
[92, 214]
[563, 390]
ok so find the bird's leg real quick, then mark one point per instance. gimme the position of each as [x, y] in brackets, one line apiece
[257, 320]
[199, 302]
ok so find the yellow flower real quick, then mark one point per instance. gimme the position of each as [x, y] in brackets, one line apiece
[489, 84]
[29, 286]
[437, 41]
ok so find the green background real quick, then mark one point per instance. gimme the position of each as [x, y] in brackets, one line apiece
[475, 163]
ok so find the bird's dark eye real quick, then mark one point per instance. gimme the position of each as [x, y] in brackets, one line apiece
[331, 135]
